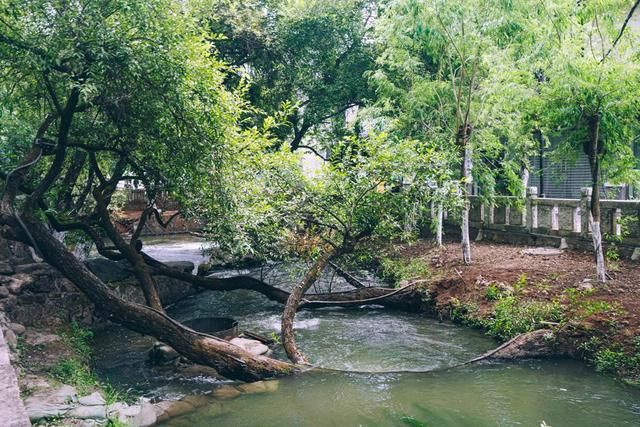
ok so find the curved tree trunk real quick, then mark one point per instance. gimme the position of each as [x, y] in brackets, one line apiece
[229, 360]
[289, 313]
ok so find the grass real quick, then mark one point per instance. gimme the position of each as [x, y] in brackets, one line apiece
[76, 370]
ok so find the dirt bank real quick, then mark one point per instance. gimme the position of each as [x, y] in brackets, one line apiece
[508, 290]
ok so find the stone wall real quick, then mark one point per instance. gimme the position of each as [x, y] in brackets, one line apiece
[36, 294]
[12, 412]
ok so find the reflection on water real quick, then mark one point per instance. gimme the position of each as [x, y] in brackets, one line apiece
[377, 341]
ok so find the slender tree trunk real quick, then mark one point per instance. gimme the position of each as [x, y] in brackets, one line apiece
[596, 233]
[289, 313]
[439, 219]
[467, 189]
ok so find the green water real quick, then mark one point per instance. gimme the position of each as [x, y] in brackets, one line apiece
[390, 352]
[559, 393]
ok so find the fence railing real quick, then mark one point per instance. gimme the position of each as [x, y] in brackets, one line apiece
[557, 218]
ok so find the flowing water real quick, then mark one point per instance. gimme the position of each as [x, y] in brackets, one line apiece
[386, 368]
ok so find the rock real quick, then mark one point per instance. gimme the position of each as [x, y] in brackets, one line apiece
[538, 343]
[635, 256]
[35, 338]
[6, 268]
[107, 270]
[203, 269]
[8, 303]
[162, 353]
[563, 244]
[94, 399]
[252, 346]
[11, 339]
[259, 387]
[177, 408]
[184, 266]
[94, 412]
[4, 292]
[226, 392]
[123, 412]
[33, 268]
[17, 328]
[542, 252]
[15, 286]
[196, 400]
[50, 404]
[585, 287]
[145, 417]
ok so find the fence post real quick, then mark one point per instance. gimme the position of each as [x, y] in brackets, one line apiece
[531, 208]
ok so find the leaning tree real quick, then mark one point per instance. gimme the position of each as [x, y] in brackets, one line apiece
[95, 93]
[101, 92]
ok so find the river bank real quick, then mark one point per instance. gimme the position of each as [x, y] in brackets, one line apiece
[374, 345]
[511, 289]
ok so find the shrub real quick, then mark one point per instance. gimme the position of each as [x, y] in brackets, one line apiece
[395, 271]
[512, 316]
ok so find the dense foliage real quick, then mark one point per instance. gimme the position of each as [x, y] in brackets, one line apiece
[221, 103]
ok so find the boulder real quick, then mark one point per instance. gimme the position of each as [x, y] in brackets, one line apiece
[184, 266]
[6, 268]
[162, 353]
[17, 328]
[107, 270]
[635, 256]
[4, 292]
[252, 346]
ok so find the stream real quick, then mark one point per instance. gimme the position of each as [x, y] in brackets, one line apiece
[387, 369]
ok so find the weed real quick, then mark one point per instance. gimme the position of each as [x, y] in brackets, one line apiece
[76, 373]
[112, 422]
[80, 340]
[465, 313]
[520, 284]
[395, 271]
[494, 293]
[275, 337]
[512, 316]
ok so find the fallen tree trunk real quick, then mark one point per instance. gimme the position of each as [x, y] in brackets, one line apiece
[290, 308]
[229, 360]
[349, 278]
[408, 300]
